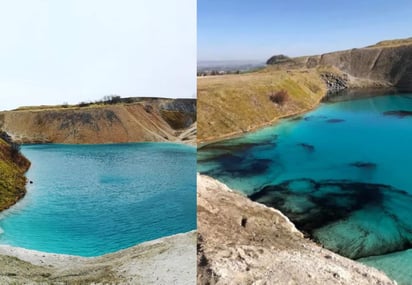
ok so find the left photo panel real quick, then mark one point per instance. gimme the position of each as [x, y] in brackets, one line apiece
[98, 142]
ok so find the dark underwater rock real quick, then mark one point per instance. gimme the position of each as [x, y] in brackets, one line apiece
[308, 147]
[364, 165]
[334, 121]
[314, 118]
[353, 219]
[398, 113]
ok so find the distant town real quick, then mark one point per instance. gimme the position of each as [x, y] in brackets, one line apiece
[208, 68]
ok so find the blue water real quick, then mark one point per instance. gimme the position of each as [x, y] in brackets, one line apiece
[89, 200]
[340, 172]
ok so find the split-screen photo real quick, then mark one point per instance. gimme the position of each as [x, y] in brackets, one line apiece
[205, 142]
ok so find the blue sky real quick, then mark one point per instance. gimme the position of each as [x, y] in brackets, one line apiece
[248, 30]
[71, 51]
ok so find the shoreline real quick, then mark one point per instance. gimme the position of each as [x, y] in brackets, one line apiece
[344, 95]
[35, 256]
[252, 128]
[238, 233]
[167, 259]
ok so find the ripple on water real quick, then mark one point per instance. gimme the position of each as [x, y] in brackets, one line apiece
[93, 199]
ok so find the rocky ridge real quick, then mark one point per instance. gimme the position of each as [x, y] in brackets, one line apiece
[385, 64]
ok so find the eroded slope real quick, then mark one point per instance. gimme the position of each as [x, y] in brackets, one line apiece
[147, 120]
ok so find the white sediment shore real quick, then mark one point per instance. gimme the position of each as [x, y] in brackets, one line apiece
[168, 260]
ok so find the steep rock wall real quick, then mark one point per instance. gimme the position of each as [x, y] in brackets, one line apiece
[385, 64]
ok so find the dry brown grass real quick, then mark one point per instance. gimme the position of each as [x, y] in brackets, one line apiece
[232, 104]
[393, 43]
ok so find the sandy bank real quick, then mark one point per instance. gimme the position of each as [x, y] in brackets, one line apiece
[169, 260]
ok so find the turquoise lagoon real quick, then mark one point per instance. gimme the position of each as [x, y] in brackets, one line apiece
[341, 173]
[89, 200]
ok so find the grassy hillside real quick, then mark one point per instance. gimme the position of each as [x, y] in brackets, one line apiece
[232, 104]
[12, 180]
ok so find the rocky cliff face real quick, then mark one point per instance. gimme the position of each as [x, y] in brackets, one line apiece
[243, 242]
[385, 64]
[147, 119]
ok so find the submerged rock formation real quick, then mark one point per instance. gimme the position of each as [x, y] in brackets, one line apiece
[244, 242]
[143, 119]
[354, 219]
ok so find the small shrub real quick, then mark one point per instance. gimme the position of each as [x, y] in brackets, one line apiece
[279, 97]
[111, 99]
[84, 104]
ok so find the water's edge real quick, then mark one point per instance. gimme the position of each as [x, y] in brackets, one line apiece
[161, 261]
[351, 96]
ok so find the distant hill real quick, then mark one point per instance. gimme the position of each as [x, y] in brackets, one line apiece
[126, 120]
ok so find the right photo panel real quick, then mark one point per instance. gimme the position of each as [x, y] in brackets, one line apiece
[304, 113]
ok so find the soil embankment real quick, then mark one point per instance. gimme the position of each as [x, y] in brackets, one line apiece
[146, 119]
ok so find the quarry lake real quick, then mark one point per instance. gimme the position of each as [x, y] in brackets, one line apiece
[89, 200]
[341, 173]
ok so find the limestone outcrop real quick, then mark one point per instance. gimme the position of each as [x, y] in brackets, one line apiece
[386, 64]
[243, 242]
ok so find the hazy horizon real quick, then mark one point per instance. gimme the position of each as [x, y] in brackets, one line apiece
[75, 51]
[247, 30]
